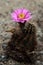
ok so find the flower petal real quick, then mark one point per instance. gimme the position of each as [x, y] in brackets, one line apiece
[28, 18]
[27, 15]
[19, 11]
[15, 11]
[14, 16]
[25, 11]
[20, 20]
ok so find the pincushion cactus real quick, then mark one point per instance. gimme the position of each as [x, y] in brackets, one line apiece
[23, 42]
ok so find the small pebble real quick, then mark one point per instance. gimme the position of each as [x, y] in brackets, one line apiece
[1, 64]
[4, 46]
[3, 58]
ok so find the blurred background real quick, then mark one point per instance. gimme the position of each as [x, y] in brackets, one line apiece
[6, 24]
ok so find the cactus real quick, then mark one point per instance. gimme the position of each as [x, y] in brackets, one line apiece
[22, 44]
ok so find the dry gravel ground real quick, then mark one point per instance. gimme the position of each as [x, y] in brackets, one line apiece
[36, 8]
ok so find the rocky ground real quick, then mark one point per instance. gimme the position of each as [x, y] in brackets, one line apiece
[6, 24]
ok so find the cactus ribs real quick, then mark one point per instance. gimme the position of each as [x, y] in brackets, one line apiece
[22, 44]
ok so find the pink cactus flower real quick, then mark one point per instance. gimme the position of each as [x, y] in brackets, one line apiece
[21, 15]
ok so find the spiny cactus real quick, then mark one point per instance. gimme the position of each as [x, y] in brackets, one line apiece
[22, 44]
